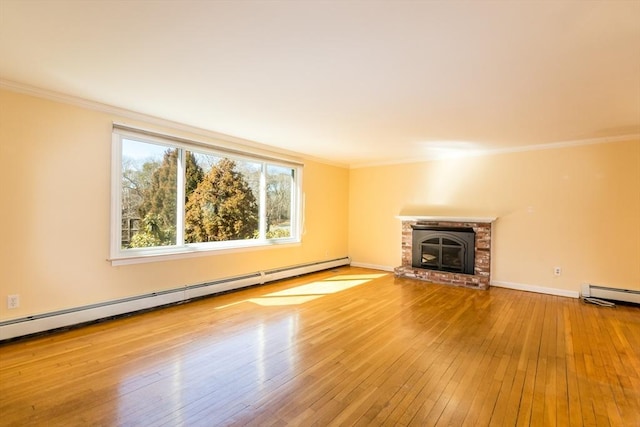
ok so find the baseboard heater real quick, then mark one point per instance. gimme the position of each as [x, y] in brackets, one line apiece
[38, 323]
[625, 295]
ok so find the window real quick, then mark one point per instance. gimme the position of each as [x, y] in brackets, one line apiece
[171, 197]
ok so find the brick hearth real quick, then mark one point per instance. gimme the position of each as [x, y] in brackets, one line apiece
[482, 268]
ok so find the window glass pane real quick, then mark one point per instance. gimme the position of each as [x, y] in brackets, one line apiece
[221, 198]
[148, 194]
[278, 199]
[181, 198]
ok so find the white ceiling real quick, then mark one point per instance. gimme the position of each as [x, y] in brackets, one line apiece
[352, 82]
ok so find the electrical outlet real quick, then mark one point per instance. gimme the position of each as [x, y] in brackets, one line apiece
[557, 271]
[13, 301]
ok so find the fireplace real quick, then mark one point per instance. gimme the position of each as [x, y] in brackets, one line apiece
[443, 248]
[439, 257]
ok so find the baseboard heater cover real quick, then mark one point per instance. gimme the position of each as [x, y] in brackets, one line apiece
[624, 295]
[38, 323]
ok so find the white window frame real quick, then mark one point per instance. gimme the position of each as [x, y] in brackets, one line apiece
[119, 256]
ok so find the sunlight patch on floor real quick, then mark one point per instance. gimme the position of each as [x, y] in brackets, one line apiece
[267, 301]
[310, 291]
[356, 276]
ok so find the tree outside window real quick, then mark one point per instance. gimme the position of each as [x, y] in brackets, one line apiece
[222, 197]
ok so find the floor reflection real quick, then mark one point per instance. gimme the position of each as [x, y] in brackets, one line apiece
[235, 362]
[226, 366]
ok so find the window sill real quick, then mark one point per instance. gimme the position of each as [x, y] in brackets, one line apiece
[192, 251]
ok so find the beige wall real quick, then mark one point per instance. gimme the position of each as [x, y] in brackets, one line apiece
[55, 179]
[577, 208]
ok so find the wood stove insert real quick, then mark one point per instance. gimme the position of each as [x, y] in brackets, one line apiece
[443, 248]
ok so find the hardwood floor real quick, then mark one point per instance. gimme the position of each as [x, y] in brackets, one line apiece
[344, 347]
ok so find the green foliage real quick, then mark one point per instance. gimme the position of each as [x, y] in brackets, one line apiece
[222, 207]
[158, 206]
[158, 199]
[152, 233]
[193, 175]
[277, 233]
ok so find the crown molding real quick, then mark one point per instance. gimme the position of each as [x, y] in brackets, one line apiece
[157, 121]
[519, 149]
[133, 115]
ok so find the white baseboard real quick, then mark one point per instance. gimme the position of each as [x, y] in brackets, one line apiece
[537, 289]
[499, 284]
[371, 266]
[37, 323]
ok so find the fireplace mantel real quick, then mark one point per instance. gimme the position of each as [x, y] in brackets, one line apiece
[479, 219]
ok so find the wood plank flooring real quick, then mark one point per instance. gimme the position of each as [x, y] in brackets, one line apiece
[350, 346]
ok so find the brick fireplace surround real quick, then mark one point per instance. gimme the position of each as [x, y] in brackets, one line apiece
[482, 268]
